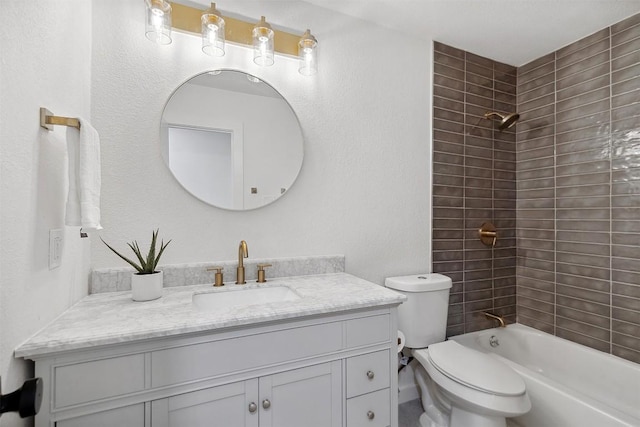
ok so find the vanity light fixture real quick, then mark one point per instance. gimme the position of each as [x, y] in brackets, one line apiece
[263, 50]
[307, 54]
[216, 30]
[212, 32]
[158, 26]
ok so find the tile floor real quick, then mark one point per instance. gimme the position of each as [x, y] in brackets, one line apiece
[409, 413]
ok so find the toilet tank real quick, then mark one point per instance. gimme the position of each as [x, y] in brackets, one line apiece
[422, 318]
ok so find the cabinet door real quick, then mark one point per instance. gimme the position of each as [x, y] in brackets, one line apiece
[231, 405]
[129, 416]
[309, 397]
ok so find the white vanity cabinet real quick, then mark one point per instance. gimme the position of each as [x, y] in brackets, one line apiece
[128, 416]
[309, 397]
[336, 370]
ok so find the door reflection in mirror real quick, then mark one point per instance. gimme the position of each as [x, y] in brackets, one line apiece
[201, 160]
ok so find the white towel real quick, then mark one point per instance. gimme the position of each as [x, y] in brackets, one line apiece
[83, 202]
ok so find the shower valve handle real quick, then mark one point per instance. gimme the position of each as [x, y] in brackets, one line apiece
[488, 234]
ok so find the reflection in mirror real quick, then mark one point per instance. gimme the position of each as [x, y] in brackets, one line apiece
[232, 142]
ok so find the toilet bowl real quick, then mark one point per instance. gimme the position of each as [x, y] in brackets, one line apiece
[459, 386]
[472, 388]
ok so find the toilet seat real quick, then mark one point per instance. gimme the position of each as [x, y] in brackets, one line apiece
[475, 369]
[473, 380]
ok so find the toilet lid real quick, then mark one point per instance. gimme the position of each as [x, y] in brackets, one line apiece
[475, 369]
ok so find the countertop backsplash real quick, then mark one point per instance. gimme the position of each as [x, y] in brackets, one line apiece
[119, 279]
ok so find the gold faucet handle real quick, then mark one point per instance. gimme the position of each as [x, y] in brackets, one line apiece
[261, 274]
[488, 234]
[218, 275]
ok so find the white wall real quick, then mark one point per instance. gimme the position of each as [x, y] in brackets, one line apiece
[364, 188]
[45, 61]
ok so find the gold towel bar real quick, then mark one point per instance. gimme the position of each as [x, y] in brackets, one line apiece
[48, 120]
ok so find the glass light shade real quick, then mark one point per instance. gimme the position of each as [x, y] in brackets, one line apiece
[158, 26]
[263, 43]
[307, 54]
[212, 32]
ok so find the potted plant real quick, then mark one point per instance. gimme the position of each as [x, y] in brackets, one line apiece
[146, 284]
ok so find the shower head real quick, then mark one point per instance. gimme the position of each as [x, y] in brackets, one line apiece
[506, 120]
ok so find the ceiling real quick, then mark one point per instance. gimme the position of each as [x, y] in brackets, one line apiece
[510, 31]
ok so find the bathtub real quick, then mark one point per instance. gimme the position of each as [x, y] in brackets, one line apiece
[569, 385]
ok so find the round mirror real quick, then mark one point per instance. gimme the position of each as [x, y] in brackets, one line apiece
[231, 140]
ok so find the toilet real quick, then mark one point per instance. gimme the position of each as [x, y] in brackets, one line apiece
[459, 386]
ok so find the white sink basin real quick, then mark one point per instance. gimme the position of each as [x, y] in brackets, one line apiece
[241, 297]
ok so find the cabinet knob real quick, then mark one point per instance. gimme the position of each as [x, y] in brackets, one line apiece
[371, 415]
[266, 404]
[253, 407]
[370, 375]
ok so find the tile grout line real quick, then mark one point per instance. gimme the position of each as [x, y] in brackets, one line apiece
[555, 195]
[610, 194]
[493, 189]
[464, 203]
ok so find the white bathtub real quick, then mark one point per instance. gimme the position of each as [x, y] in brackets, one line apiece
[570, 385]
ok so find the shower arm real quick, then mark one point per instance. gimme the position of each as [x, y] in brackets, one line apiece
[493, 114]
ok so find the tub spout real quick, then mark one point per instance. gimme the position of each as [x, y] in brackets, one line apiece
[493, 316]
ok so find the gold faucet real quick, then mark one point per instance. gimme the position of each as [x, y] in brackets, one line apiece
[499, 318]
[243, 252]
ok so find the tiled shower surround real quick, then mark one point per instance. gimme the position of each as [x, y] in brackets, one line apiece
[474, 175]
[577, 177]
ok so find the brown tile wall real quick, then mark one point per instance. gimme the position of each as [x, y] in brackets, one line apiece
[578, 191]
[576, 174]
[473, 182]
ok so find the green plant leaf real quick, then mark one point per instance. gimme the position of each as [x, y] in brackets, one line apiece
[162, 248]
[147, 265]
[136, 250]
[151, 256]
[133, 264]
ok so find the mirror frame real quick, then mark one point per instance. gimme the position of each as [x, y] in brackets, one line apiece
[163, 138]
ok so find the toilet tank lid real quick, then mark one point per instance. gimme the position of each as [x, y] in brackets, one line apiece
[419, 282]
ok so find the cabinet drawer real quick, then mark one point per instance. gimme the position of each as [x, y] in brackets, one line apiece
[368, 330]
[217, 358]
[370, 410]
[129, 416]
[86, 382]
[367, 373]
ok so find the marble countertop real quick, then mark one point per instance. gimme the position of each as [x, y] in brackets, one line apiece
[112, 318]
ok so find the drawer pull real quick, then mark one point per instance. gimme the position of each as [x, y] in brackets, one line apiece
[266, 404]
[371, 415]
[370, 375]
[253, 407]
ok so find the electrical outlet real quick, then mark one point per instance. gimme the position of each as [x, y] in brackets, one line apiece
[56, 241]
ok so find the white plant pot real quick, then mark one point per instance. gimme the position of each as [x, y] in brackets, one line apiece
[146, 287]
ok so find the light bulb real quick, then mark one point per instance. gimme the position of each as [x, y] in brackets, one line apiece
[213, 36]
[158, 26]
[263, 43]
[307, 54]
